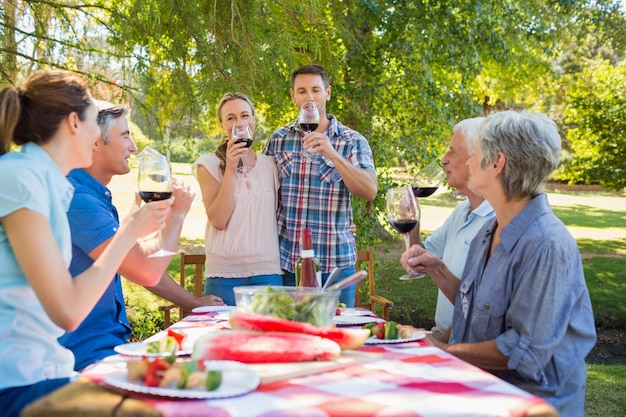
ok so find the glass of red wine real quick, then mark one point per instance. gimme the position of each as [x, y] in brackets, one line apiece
[428, 179]
[154, 183]
[309, 121]
[241, 131]
[403, 212]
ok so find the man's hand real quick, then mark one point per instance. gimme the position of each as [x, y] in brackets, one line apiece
[319, 143]
[419, 260]
[183, 197]
[211, 300]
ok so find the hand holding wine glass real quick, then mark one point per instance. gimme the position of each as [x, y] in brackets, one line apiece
[241, 132]
[428, 179]
[309, 121]
[403, 212]
[154, 183]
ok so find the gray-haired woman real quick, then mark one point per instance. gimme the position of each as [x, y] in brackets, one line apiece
[522, 309]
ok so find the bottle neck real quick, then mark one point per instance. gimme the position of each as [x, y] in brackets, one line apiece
[307, 239]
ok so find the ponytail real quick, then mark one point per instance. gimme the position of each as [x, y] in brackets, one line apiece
[220, 152]
[34, 112]
[9, 115]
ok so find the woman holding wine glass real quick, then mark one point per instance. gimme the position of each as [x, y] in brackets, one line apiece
[241, 237]
[53, 117]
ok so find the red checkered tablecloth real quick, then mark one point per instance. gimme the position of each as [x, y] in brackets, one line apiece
[408, 380]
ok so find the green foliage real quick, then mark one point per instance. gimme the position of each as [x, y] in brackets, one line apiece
[579, 215]
[605, 391]
[606, 279]
[402, 72]
[602, 247]
[143, 312]
[596, 113]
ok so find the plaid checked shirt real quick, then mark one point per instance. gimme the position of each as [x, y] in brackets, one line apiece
[312, 194]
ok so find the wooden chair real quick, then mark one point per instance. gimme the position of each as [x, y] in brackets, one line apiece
[366, 296]
[198, 262]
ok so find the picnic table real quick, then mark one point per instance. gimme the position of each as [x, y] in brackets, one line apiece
[404, 379]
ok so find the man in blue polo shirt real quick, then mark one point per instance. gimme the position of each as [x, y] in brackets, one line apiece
[94, 220]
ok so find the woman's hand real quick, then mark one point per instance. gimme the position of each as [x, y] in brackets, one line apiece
[143, 220]
[432, 340]
[234, 151]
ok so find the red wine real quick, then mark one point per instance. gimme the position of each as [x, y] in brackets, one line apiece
[248, 142]
[309, 127]
[404, 226]
[149, 196]
[424, 191]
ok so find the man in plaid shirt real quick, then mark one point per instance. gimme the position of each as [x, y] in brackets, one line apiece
[315, 192]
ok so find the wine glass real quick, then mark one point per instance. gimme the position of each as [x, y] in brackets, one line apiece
[309, 121]
[154, 183]
[428, 179]
[403, 212]
[243, 135]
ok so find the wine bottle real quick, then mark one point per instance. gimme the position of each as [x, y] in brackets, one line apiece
[306, 268]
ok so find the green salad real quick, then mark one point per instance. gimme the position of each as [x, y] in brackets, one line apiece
[311, 309]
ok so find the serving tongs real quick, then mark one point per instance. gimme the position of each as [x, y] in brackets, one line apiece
[352, 279]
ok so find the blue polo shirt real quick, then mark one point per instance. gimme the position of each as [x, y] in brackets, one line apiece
[93, 220]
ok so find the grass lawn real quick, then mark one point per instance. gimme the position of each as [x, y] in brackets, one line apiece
[597, 221]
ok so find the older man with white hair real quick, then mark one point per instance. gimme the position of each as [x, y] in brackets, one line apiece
[448, 245]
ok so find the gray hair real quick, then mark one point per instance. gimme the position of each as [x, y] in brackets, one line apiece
[531, 144]
[470, 129]
[107, 113]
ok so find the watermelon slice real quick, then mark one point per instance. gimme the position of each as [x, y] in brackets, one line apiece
[263, 347]
[346, 338]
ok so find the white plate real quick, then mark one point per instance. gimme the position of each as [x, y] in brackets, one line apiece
[222, 317]
[212, 309]
[237, 379]
[141, 349]
[355, 312]
[374, 341]
[355, 320]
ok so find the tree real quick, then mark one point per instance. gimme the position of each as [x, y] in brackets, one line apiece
[402, 71]
[596, 114]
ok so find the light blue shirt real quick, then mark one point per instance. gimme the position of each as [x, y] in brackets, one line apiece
[530, 296]
[29, 349]
[451, 242]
